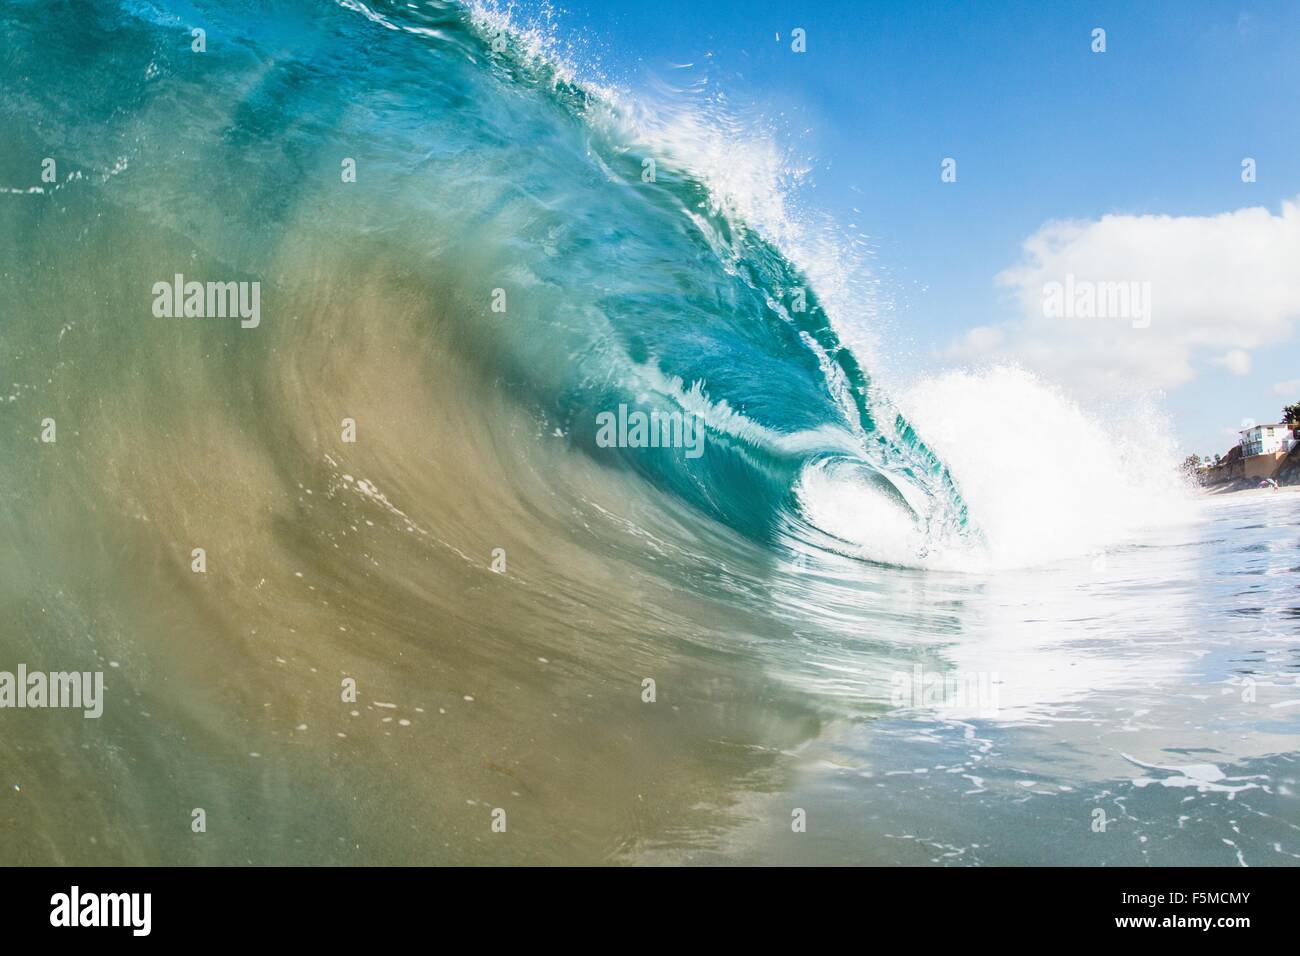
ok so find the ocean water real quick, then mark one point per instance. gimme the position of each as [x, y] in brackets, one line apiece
[857, 628]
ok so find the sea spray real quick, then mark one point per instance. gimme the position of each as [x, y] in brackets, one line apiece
[1048, 478]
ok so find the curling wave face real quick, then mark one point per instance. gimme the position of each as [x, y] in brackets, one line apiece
[584, 273]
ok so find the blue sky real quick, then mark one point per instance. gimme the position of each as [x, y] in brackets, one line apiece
[1042, 128]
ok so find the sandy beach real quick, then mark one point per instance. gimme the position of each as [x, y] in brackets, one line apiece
[1231, 490]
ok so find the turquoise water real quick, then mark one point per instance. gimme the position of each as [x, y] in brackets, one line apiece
[499, 584]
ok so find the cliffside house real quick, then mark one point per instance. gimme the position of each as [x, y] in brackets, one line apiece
[1263, 447]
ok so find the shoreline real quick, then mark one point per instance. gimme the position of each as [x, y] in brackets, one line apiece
[1217, 491]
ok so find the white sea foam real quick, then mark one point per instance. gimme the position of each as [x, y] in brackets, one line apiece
[1043, 479]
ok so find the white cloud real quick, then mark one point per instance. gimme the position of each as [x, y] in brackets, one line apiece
[982, 338]
[1288, 388]
[1236, 361]
[1219, 287]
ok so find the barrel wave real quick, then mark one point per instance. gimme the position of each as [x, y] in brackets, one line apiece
[570, 267]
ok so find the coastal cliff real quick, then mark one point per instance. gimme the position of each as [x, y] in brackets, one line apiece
[1235, 472]
[1288, 473]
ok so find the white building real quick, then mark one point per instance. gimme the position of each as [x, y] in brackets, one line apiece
[1266, 440]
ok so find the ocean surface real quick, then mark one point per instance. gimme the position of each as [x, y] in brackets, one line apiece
[435, 618]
